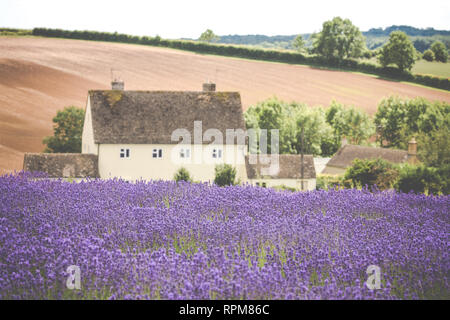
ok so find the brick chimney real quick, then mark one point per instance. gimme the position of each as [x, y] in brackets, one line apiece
[412, 151]
[117, 85]
[209, 87]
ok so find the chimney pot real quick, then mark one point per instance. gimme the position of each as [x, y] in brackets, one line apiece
[209, 87]
[117, 85]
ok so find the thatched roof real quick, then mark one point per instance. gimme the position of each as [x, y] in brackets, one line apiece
[290, 167]
[150, 117]
[345, 155]
[62, 165]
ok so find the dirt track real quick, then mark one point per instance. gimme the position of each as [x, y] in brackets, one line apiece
[40, 76]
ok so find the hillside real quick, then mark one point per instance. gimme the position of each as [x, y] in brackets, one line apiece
[375, 37]
[39, 76]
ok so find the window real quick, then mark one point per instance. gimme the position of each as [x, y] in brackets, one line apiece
[257, 184]
[217, 153]
[157, 153]
[124, 153]
[264, 185]
[185, 153]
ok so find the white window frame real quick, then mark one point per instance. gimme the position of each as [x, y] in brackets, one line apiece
[157, 153]
[185, 153]
[217, 153]
[124, 153]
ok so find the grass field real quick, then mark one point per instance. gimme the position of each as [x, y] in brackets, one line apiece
[432, 68]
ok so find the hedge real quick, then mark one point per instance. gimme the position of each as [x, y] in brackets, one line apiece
[249, 53]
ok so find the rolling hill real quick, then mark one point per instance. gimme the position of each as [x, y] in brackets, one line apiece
[39, 76]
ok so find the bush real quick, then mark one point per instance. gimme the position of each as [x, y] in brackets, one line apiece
[284, 188]
[326, 182]
[422, 179]
[225, 175]
[428, 55]
[182, 175]
[371, 172]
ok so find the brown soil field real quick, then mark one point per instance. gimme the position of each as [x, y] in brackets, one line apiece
[39, 76]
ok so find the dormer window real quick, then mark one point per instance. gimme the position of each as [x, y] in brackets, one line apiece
[124, 153]
[217, 153]
[185, 153]
[157, 153]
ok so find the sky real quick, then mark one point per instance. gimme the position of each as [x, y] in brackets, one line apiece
[189, 18]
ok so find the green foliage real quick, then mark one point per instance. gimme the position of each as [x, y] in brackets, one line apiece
[398, 120]
[225, 175]
[440, 51]
[323, 130]
[428, 55]
[339, 39]
[434, 147]
[182, 175]
[371, 172]
[249, 53]
[67, 131]
[289, 119]
[399, 51]
[298, 43]
[284, 188]
[327, 182]
[352, 123]
[208, 36]
[422, 179]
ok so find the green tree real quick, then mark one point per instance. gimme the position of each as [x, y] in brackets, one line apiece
[208, 36]
[421, 179]
[398, 120]
[440, 51]
[349, 122]
[434, 148]
[428, 55]
[372, 172]
[225, 175]
[182, 175]
[399, 50]
[339, 39]
[299, 43]
[67, 131]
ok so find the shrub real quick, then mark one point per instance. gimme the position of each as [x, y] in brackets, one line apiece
[182, 175]
[327, 182]
[422, 179]
[371, 172]
[428, 55]
[284, 188]
[225, 175]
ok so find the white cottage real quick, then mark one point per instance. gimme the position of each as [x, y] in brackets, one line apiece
[150, 135]
[136, 134]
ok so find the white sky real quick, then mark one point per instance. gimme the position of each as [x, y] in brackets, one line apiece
[189, 18]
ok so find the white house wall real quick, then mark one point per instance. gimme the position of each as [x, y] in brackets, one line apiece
[141, 165]
[87, 140]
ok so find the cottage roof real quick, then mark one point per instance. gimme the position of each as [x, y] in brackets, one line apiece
[345, 155]
[150, 117]
[290, 167]
[62, 165]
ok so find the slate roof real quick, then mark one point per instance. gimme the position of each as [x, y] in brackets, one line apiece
[150, 117]
[346, 154]
[290, 167]
[62, 165]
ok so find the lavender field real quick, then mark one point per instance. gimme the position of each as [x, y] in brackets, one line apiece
[164, 240]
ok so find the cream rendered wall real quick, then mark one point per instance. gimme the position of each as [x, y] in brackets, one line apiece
[87, 140]
[309, 184]
[142, 165]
